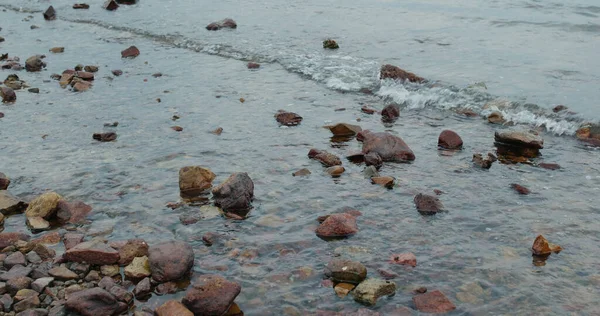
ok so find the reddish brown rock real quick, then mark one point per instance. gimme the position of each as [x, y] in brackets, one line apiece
[428, 204]
[7, 239]
[346, 271]
[132, 248]
[35, 63]
[559, 108]
[549, 166]
[110, 5]
[385, 145]
[4, 181]
[433, 302]
[387, 182]
[81, 6]
[450, 140]
[519, 139]
[95, 302]
[172, 308]
[327, 159]
[73, 212]
[288, 118]
[338, 225]
[211, 295]
[408, 259]
[390, 113]
[520, 189]
[7, 94]
[393, 72]
[130, 52]
[541, 247]
[50, 14]
[194, 180]
[71, 240]
[226, 23]
[105, 137]
[335, 171]
[330, 44]
[368, 110]
[48, 239]
[496, 118]
[253, 65]
[217, 131]
[177, 128]
[92, 252]
[235, 194]
[170, 261]
[117, 72]
[343, 129]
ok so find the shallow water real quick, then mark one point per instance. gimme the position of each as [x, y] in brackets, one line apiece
[484, 239]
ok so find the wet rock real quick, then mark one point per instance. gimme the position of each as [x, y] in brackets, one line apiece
[71, 240]
[301, 172]
[226, 23]
[139, 268]
[166, 288]
[390, 113]
[330, 44]
[73, 212]
[50, 14]
[343, 129]
[335, 171]
[433, 302]
[235, 194]
[95, 302]
[33, 257]
[37, 224]
[496, 118]
[559, 108]
[387, 146]
[110, 5]
[110, 270]
[10, 204]
[44, 206]
[170, 261]
[44, 252]
[288, 118]
[80, 85]
[63, 274]
[194, 180]
[91, 69]
[16, 284]
[177, 128]
[541, 247]
[117, 72]
[81, 6]
[130, 52]
[8, 239]
[8, 95]
[16, 258]
[346, 271]
[520, 189]
[338, 225]
[327, 159]
[253, 65]
[34, 90]
[368, 110]
[484, 163]
[393, 72]
[92, 252]
[40, 284]
[544, 165]
[132, 249]
[428, 204]
[519, 139]
[34, 63]
[211, 295]
[1, 221]
[143, 289]
[370, 290]
[171, 308]
[26, 303]
[105, 137]
[408, 259]
[121, 294]
[449, 140]
[387, 182]
[57, 50]
[342, 289]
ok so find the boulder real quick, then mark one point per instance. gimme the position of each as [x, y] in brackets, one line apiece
[170, 261]
[408, 259]
[226, 23]
[433, 302]
[390, 113]
[520, 189]
[44, 206]
[130, 52]
[139, 268]
[541, 247]
[337, 225]
[388, 147]
[288, 118]
[370, 290]
[73, 212]
[8, 95]
[92, 252]
[449, 140]
[393, 72]
[330, 44]
[8, 239]
[95, 302]
[50, 14]
[34, 63]
[194, 180]
[343, 129]
[235, 194]
[105, 137]
[9, 204]
[346, 271]
[211, 295]
[327, 159]
[171, 308]
[428, 204]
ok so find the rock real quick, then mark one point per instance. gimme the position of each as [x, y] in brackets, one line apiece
[235, 194]
[34, 63]
[387, 182]
[253, 65]
[170, 261]
[327, 159]
[559, 108]
[346, 271]
[139, 268]
[34, 90]
[15, 272]
[428, 204]
[40, 284]
[33, 257]
[8, 95]
[496, 118]
[342, 289]
[226, 23]
[301, 172]
[484, 163]
[117, 72]
[84, 75]
[449, 140]
[335, 171]
[50, 14]
[16, 284]
[217, 131]
[337, 225]
[81, 6]
[387, 146]
[92, 252]
[95, 302]
[390, 113]
[7, 239]
[330, 44]
[288, 118]
[371, 172]
[9, 204]
[177, 128]
[370, 290]
[73, 212]
[81, 86]
[143, 288]
[105, 137]
[343, 129]
[15, 258]
[44, 206]
[194, 180]
[110, 270]
[44, 252]
[130, 52]
[110, 5]
[133, 248]
[6, 302]
[28, 303]
[1, 221]
[91, 68]
[520, 189]
[57, 50]
[368, 110]
[166, 288]
[121, 294]
[393, 72]
[408, 259]
[541, 247]
[37, 224]
[171, 308]
[211, 295]
[63, 274]
[71, 240]
[433, 302]
[519, 139]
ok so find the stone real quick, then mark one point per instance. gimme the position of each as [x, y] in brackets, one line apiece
[326, 159]
[57, 50]
[15, 258]
[496, 118]
[110, 5]
[194, 180]
[95, 302]
[170, 261]
[520, 189]
[80, 86]
[72, 239]
[1, 221]
[330, 44]
[81, 6]
[121, 294]
[217, 131]
[368, 291]
[34, 90]
[335, 171]
[541, 247]
[211, 295]
[90, 68]
[132, 248]
[4, 181]
[342, 289]
[139, 268]
[367, 110]
[44, 206]
[117, 72]
[73, 212]
[343, 129]
[37, 224]
[288, 118]
[390, 113]
[549, 166]
[8, 95]
[252, 65]
[143, 288]
[50, 14]
[34, 312]
[226, 23]
[130, 52]
[484, 163]
[167, 288]
[346, 271]
[393, 72]
[110, 270]
[519, 139]
[449, 140]
[40, 284]
[6, 302]
[28, 303]
[44, 252]
[105, 137]
[433, 302]
[387, 182]
[93, 275]
[301, 172]
[428, 204]
[15, 272]
[34, 63]
[16, 284]
[7, 239]
[385, 145]
[63, 274]
[408, 259]
[235, 194]
[171, 308]
[337, 225]
[92, 252]
[33, 257]
[177, 128]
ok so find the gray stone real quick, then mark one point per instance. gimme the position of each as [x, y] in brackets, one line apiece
[27, 304]
[370, 290]
[34, 312]
[2, 288]
[15, 284]
[121, 294]
[16, 258]
[40, 284]
[33, 257]
[9, 204]
[143, 288]
[63, 274]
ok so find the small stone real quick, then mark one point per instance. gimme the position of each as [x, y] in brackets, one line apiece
[235, 194]
[484, 163]
[92, 252]
[143, 288]
[449, 140]
[172, 308]
[390, 113]
[226, 23]
[335, 171]
[33, 257]
[16, 258]
[4, 182]
[166, 288]
[177, 128]
[50, 14]
[110, 5]
[520, 189]
[346, 271]
[343, 129]
[211, 295]
[110, 270]
[544, 165]
[34, 90]
[71, 240]
[496, 118]
[516, 138]
[131, 249]
[330, 44]
[63, 274]
[387, 182]
[81, 86]
[408, 259]
[217, 131]
[44, 252]
[37, 224]
[28, 303]
[342, 289]
[130, 52]
[57, 50]
[117, 72]
[40, 284]
[370, 290]
[327, 159]
[433, 302]
[121, 294]
[541, 247]
[338, 225]
[252, 65]
[170, 261]
[92, 276]
[393, 72]
[428, 204]
[288, 118]
[16, 284]
[301, 172]
[8, 95]
[368, 110]
[81, 6]
[91, 68]
[105, 137]
[139, 268]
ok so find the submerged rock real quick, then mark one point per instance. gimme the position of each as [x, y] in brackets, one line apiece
[387, 182]
[211, 295]
[408, 259]
[520, 189]
[549, 166]
[388, 147]
[301, 172]
[346, 271]
[105, 137]
[327, 159]
[484, 163]
[343, 129]
[95, 302]
[428, 204]
[131, 249]
[393, 72]
[330, 44]
[449, 140]
[8, 95]
[50, 14]
[34, 63]
[172, 308]
[57, 50]
[170, 261]
[235, 194]
[81, 6]
[194, 180]
[226, 23]
[288, 118]
[335, 171]
[130, 52]
[541, 247]
[72, 212]
[110, 5]
[367, 110]
[390, 113]
[4, 181]
[337, 225]
[496, 118]
[370, 290]
[8, 239]
[433, 302]
[252, 65]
